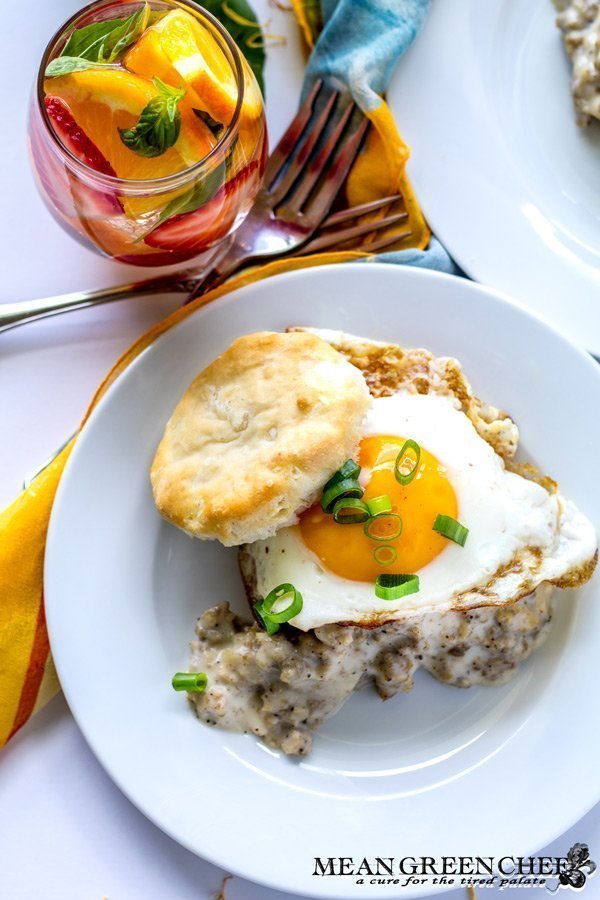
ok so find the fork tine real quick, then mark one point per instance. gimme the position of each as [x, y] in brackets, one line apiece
[288, 142]
[322, 200]
[376, 246]
[316, 166]
[353, 212]
[299, 155]
[348, 234]
[333, 239]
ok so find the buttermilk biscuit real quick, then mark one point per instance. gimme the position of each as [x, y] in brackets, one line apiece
[256, 435]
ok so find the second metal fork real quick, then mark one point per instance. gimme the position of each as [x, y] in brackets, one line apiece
[302, 179]
[338, 232]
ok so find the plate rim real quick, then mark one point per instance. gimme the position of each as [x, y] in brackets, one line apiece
[481, 265]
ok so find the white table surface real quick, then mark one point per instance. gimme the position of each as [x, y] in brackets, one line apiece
[67, 833]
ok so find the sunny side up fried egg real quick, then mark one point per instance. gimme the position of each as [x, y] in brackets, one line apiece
[520, 534]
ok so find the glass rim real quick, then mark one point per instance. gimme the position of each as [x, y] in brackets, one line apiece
[175, 179]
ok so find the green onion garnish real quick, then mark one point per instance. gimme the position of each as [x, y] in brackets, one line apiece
[392, 587]
[385, 555]
[272, 618]
[264, 619]
[378, 505]
[349, 469]
[403, 476]
[384, 527]
[348, 487]
[451, 529]
[194, 682]
[280, 593]
[349, 511]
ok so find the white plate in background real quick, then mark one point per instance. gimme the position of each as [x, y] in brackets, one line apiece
[508, 181]
[436, 772]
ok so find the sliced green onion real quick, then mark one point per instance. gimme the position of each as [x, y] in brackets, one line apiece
[194, 682]
[349, 469]
[392, 587]
[451, 529]
[378, 505]
[385, 555]
[271, 617]
[402, 476]
[281, 592]
[265, 620]
[348, 487]
[390, 522]
[350, 510]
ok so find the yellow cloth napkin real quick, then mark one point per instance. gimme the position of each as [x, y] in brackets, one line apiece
[27, 676]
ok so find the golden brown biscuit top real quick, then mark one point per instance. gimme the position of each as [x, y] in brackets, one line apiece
[256, 435]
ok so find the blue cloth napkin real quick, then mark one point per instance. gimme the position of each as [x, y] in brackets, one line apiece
[361, 42]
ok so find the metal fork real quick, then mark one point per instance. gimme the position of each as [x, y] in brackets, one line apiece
[330, 236]
[302, 179]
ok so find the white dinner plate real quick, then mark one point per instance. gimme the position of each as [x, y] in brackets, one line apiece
[439, 771]
[508, 181]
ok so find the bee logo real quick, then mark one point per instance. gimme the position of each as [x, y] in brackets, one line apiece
[572, 874]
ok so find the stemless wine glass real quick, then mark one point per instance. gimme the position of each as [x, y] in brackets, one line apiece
[158, 206]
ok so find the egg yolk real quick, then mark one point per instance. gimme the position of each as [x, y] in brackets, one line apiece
[349, 552]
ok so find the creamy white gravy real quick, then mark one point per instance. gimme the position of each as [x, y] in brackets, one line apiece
[282, 687]
[579, 21]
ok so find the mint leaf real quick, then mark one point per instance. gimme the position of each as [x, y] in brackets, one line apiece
[100, 43]
[159, 123]
[90, 42]
[126, 34]
[200, 193]
[64, 65]
[242, 33]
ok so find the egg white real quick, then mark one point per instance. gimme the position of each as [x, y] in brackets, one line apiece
[504, 512]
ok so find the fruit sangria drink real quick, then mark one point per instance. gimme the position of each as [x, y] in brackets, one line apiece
[147, 130]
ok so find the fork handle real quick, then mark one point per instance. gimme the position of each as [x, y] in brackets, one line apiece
[14, 314]
[231, 256]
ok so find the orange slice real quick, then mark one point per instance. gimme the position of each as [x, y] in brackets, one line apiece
[104, 100]
[183, 53]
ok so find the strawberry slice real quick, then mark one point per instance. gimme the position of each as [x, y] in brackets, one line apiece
[76, 140]
[195, 231]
